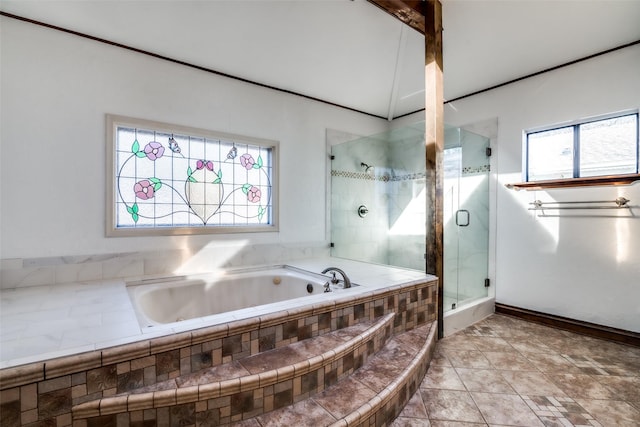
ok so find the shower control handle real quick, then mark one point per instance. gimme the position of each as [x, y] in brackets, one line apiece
[362, 211]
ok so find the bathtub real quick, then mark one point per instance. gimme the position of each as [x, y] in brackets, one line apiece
[228, 296]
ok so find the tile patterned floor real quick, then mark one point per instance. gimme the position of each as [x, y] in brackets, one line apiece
[507, 372]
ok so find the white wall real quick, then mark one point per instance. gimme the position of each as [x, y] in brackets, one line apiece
[56, 90]
[585, 268]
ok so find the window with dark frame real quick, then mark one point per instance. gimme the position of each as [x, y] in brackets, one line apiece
[599, 147]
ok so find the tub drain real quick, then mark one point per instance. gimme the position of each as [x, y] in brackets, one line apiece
[309, 288]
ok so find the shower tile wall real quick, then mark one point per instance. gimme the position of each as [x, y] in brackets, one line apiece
[393, 232]
[408, 202]
[354, 237]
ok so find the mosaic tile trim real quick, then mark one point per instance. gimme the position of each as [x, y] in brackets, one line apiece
[382, 178]
[45, 392]
[409, 177]
[476, 170]
[406, 177]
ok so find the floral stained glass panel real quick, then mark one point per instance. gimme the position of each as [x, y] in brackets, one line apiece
[167, 179]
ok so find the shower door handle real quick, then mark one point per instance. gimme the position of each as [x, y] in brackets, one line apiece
[462, 218]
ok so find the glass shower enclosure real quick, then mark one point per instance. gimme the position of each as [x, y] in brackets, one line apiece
[378, 205]
[465, 217]
[378, 198]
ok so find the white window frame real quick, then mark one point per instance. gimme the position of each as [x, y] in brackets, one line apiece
[112, 228]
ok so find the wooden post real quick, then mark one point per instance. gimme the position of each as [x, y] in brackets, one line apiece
[434, 140]
[425, 16]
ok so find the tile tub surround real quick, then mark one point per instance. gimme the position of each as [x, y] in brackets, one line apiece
[48, 389]
[44, 322]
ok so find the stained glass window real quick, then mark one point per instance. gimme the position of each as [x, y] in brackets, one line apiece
[169, 179]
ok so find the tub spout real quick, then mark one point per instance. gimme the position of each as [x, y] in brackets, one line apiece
[334, 270]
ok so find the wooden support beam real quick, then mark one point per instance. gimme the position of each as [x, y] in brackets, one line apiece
[434, 140]
[425, 16]
[408, 11]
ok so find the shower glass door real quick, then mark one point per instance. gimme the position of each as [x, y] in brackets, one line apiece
[466, 217]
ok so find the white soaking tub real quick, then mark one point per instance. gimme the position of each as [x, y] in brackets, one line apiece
[227, 296]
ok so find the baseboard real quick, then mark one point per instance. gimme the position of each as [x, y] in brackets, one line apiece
[572, 325]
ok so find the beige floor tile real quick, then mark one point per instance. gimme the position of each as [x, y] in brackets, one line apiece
[612, 412]
[467, 359]
[505, 409]
[557, 344]
[598, 347]
[622, 368]
[442, 378]
[440, 360]
[457, 341]
[411, 422]
[415, 408]
[531, 346]
[450, 405]
[438, 423]
[624, 388]
[499, 320]
[491, 344]
[479, 330]
[580, 385]
[578, 348]
[552, 363]
[487, 380]
[511, 332]
[509, 361]
[531, 383]
[537, 331]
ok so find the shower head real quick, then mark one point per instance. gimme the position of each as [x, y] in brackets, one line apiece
[367, 168]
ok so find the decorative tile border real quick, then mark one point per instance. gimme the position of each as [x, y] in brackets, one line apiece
[476, 170]
[407, 177]
[383, 178]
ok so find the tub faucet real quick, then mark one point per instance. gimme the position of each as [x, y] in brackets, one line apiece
[347, 282]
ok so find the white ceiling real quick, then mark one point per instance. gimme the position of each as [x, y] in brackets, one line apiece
[350, 52]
